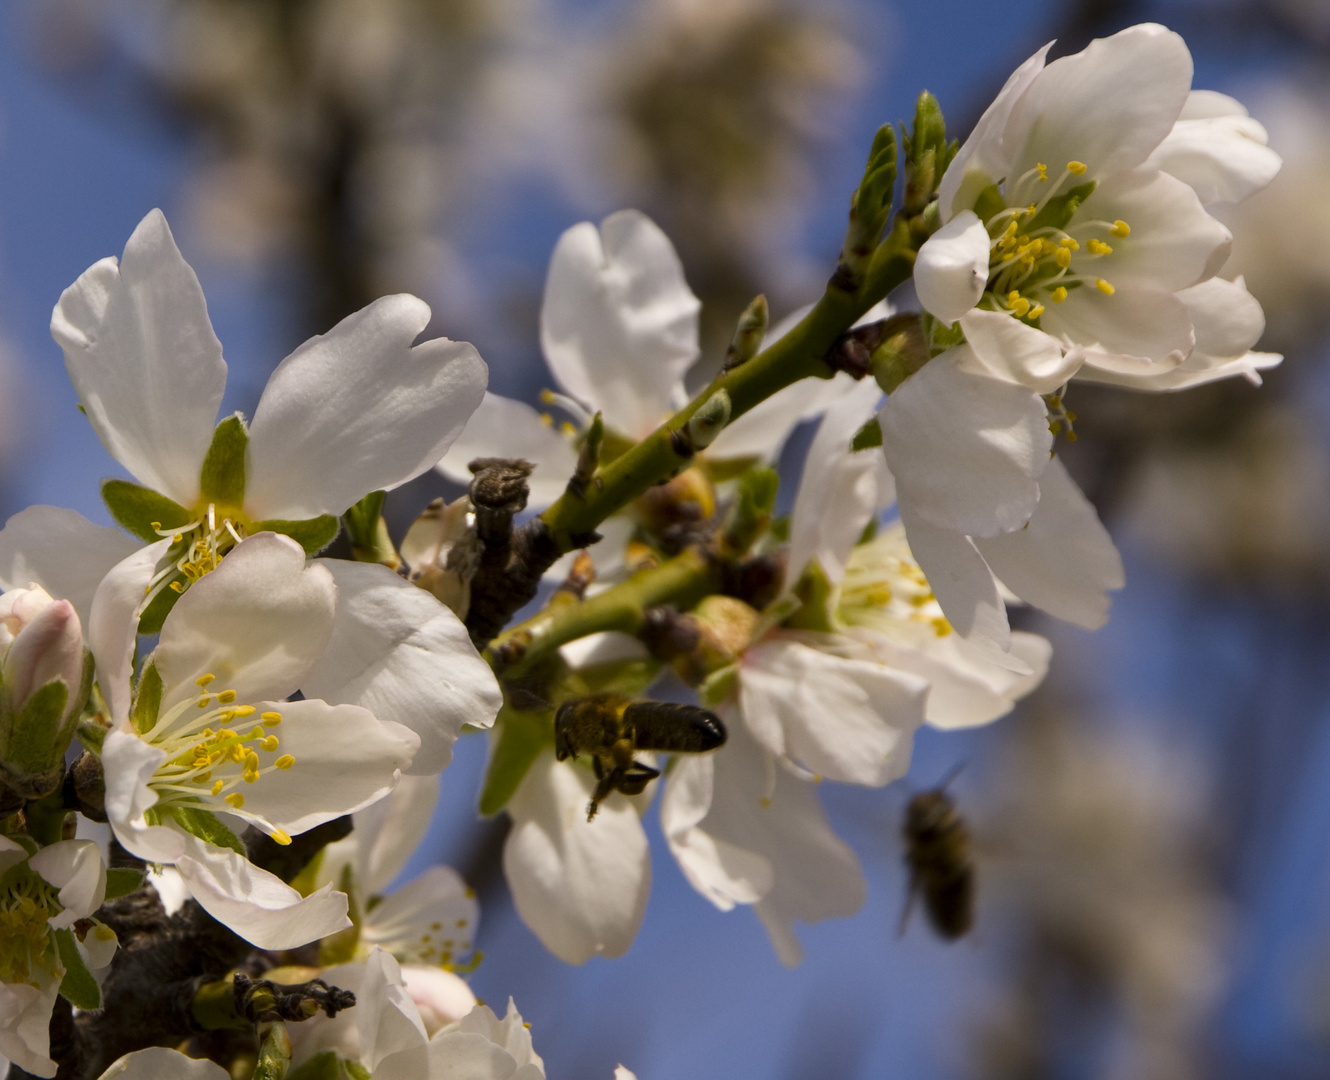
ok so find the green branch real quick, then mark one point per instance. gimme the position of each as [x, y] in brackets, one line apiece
[682, 581]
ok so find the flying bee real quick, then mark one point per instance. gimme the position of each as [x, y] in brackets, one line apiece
[937, 851]
[611, 728]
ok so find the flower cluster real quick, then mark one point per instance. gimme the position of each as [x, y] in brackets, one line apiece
[241, 696]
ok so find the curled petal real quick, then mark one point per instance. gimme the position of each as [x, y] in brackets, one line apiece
[1137, 331]
[1019, 353]
[952, 267]
[257, 905]
[113, 623]
[74, 867]
[1217, 149]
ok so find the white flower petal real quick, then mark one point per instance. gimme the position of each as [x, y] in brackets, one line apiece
[1173, 241]
[161, 1063]
[257, 905]
[982, 158]
[1064, 561]
[62, 551]
[465, 1055]
[358, 409]
[259, 622]
[387, 1019]
[761, 431]
[952, 267]
[502, 427]
[511, 1034]
[25, 1022]
[840, 490]
[113, 623]
[580, 885]
[129, 763]
[144, 360]
[722, 872]
[1135, 331]
[406, 657]
[966, 448]
[430, 920]
[74, 867]
[345, 760]
[961, 581]
[442, 997]
[967, 686]
[1108, 106]
[842, 719]
[1017, 352]
[619, 323]
[389, 831]
[1217, 149]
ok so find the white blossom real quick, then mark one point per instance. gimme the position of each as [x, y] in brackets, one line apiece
[221, 740]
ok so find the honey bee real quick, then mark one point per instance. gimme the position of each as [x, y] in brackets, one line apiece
[611, 728]
[937, 851]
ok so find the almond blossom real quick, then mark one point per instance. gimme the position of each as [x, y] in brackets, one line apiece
[209, 738]
[42, 896]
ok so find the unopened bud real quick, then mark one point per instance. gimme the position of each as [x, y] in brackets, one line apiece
[44, 680]
[709, 420]
[724, 629]
[748, 334]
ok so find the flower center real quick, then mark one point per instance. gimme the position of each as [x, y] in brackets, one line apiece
[884, 590]
[1061, 420]
[209, 762]
[26, 905]
[1039, 252]
[196, 549]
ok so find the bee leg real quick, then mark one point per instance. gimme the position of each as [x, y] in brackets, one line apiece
[910, 897]
[608, 782]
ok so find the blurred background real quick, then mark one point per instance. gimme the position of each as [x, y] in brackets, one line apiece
[1152, 827]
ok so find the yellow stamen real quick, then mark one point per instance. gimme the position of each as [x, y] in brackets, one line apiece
[235, 799]
[269, 743]
[217, 787]
[204, 680]
[285, 762]
[226, 697]
[272, 719]
[1035, 311]
[1076, 168]
[1062, 257]
[1098, 247]
[1043, 171]
[1059, 294]
[1120, 228]
[1104, 287]
[280, 837]
[1070, 243]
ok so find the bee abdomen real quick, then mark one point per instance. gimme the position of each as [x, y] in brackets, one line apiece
[673, 728]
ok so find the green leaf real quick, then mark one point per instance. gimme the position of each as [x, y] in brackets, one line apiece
[37, 739]
[147, 699]
[313, 534]
[121, 881]
[136, 509]
[868, 436]
[522, 736]
[222, 480]
[78, 987]
[362, 520]
[206, 827]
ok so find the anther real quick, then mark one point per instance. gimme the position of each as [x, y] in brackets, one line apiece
[285, 762]
[226, 697]
[1104, 287]
[1043, 171]
[204, 701]
[1076, 168]
[1059, 294]
[269, 743]
[1120, 228]
[1098, 247]
[272, 719]
[235, 799]
[217, 787]
[204, 680]
[281, 837]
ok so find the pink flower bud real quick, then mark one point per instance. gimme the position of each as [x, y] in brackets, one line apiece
[45, 642]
